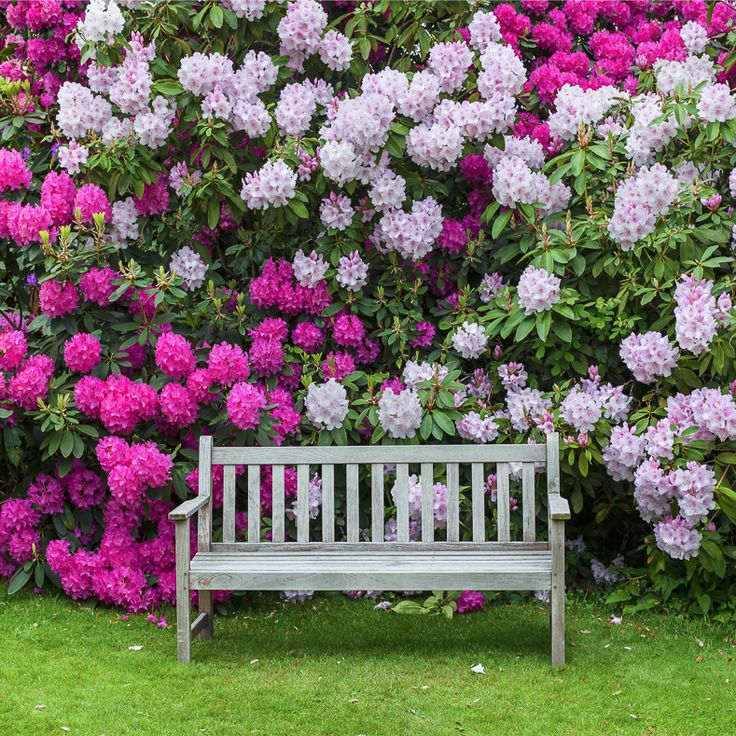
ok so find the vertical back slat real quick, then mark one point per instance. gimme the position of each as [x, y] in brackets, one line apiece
[277, 503]
[302, 503]
[479, 517]
[254, 503]
[553, 463]
[453, 502]
[328, 503]
[502, 502]
[427, 502]
[351, 484]
[228, 503]
[402, 502]
[204, 475]
[528, 502]
[377, 503]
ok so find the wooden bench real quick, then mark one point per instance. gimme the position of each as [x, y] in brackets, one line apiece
[460, 558]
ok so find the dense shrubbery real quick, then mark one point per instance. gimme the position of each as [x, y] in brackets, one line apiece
[350, 223]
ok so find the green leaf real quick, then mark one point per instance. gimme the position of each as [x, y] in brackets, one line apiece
[169, 87]
[217, 16]
[299, 209]
[213, 213]
[410, 607]
[500, 223]
[19, 579]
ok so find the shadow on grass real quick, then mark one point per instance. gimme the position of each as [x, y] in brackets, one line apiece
[323, 634]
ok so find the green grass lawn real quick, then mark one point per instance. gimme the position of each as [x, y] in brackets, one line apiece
[340, 667]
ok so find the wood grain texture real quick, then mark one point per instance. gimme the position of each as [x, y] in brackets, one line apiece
[453, 502]
[402, 502]
[228, 504]
[328, 503]
[277, 504]
[528, 502]
[302, 503]
[479, 502]
[377, 496]
[502, 502]
[352, 495]
[427, 475]
[204, 480]
[183, 603]
[378, 454]
[254, 504]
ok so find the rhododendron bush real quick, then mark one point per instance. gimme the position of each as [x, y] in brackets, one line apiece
[351, 223]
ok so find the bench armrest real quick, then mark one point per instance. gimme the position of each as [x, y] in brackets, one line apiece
[188, 508]
[559, 509]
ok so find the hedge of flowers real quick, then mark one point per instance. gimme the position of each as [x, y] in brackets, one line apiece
[380, 222]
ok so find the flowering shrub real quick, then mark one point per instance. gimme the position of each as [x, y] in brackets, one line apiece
[325, 223]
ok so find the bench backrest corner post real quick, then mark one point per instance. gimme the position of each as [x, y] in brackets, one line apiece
[204, 489]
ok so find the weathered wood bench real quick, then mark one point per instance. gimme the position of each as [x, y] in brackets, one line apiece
[343, 562]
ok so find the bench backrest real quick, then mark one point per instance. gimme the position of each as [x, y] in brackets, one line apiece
[343, 465]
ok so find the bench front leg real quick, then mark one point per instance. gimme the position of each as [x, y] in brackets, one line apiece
[557, 593]
[183, 602]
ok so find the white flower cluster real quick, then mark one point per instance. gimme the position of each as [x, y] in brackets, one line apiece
[248, 9]
[645, 137]
[326, 404]
[639, 201]
[528, 150]
[414, 373]
[716, 104]
[125, 219]
[470, 340]
[228, 94]
[574, 105]
[190, 266]
[515, 183]
[273, 185]
[538, 290]
[352, 272]
[400, 414]
[411, 234]
[309, 270]
[686, 74]
[102, 22]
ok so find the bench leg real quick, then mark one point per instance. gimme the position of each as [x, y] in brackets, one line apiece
[183, 603]
[557, 594]
[204, 598]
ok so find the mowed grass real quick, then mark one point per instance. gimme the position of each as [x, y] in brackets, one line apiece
[340, 667]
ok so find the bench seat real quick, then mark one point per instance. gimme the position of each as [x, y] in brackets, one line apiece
[527, 569]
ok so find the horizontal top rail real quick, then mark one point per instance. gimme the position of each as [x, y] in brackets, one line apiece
[377, 454]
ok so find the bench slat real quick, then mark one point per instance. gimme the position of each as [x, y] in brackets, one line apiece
[402, 502]
[502, 502]
[285, 455]
[453, 502]
[478, 500]
[351, 483]
[427, 502]
[430, 571]
[377, 495]
[302, 503]
[364, 548]
[328, 503]
[228, 504]
[277, 503]
[528, 502]
[254, 504]
[204, 476]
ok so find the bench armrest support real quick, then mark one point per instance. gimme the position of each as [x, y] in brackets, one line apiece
[559, 509]
[188, 508]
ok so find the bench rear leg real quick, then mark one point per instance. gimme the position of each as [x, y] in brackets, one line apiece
[204, 604]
